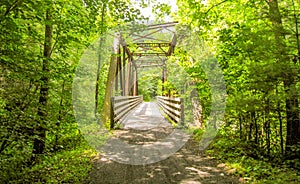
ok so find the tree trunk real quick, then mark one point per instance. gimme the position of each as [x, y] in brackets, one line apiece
[291, 103]
[256, 128]
[240, 126]
[60, 115]
[39, 141]
[268, 127]
[280, 128]
[101, 40]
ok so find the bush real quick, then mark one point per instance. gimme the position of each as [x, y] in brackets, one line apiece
[235, 153]
[66, 166]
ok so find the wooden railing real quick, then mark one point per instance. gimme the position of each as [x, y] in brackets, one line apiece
[173, 107]
[121, 105]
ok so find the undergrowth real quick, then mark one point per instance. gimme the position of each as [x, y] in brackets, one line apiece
[65, 166]
[236, 155]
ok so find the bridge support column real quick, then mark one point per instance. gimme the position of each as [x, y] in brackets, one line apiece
[135, 82]
[128, 77]
[164, 79]
[119, 71]
[123, 71]
[109, 91]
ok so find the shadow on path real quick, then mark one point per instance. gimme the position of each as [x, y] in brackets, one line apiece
[146, 126]
[187, 166]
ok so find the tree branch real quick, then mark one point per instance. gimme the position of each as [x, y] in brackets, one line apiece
[218, 4]
[10, 8]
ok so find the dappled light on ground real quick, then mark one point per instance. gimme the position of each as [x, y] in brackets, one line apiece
[187, 166]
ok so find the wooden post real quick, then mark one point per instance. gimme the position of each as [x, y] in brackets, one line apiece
[182, 112]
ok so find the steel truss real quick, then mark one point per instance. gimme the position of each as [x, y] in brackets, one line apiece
[145, 51]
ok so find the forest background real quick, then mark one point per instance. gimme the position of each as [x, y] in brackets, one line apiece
[255, 42]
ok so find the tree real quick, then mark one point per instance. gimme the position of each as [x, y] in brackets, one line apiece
[257, 46]
[282, 55]
[40, 131]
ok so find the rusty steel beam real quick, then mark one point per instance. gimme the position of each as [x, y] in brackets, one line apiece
[146, 66]
[118, 70]
[127, 51]
[174, 40]
[128, 77]
[137, 81]
[164, 79]
[164, 25]
[150, 45]
[147, 37]
[148, 62]
[149, 54]
[172, 46]
[143, 36]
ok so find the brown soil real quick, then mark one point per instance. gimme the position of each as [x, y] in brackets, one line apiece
[187, 166]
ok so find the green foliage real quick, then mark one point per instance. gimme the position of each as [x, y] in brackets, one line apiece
[161, 10]
[67, 166]
[23, 115]
[236, 154]
[148, 82]
[256, 47]
[197, 133]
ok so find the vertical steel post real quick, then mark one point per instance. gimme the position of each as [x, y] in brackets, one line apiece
[119, 72]
[116, 76]
[164, 78]
[136, 82]
[127, 80]
[112, 113]
[132, 81]
[122, 71]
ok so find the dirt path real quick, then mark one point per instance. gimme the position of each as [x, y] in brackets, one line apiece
[148, 138]
[187, 166]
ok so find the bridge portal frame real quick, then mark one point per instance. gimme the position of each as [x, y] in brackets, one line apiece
[128, 62]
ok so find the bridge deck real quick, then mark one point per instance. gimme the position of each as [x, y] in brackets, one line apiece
[146, 116]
